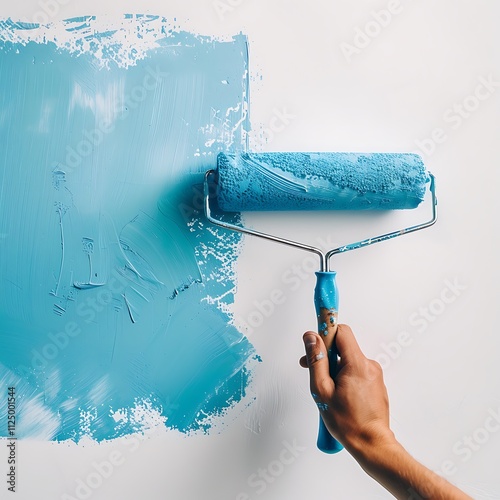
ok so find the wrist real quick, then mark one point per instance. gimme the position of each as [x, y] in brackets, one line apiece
[371, 449]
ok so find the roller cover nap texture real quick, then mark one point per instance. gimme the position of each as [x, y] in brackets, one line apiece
[320, 181]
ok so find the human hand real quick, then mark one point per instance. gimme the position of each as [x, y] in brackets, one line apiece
[354, 406]
[355, 410]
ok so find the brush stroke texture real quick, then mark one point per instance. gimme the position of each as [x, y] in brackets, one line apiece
[113, 301]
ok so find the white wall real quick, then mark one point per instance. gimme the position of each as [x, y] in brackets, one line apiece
[445, 386]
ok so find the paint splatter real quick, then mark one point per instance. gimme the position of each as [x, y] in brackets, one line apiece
[106, 131]
[323, 328]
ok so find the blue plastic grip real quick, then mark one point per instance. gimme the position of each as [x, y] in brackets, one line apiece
[326, 301]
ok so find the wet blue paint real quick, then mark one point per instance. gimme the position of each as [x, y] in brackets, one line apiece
[326, 294]
[113, 300]
[320, 181]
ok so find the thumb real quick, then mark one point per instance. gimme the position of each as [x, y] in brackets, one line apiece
[317, 362]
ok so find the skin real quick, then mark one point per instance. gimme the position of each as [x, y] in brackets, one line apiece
[355, 410]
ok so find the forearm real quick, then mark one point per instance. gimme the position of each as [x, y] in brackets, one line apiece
[397, 471]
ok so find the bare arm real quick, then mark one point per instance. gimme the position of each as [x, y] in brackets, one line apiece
[355, 409]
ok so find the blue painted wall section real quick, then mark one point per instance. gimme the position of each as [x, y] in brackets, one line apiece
[113, 292]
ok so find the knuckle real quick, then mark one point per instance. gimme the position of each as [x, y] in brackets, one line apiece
[314, 356]
[374, 368]
[320, 387]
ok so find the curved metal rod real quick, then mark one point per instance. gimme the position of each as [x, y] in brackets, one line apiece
[324, 258]
[388, 236]
[245, 230]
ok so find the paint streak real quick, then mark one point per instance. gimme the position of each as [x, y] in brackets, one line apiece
[114, 124]
[88, 248]
[61, 211]
[129, 308]
[184, 286]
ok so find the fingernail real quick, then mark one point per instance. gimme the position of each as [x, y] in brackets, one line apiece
[309, 341]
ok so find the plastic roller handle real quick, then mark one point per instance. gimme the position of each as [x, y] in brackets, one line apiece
[326, 301]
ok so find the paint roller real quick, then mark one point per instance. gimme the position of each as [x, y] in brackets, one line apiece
[320, 181]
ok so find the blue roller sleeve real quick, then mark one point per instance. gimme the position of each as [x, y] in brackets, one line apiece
[326, 303]
[320, 181]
